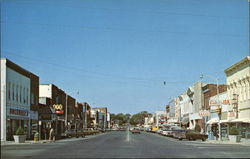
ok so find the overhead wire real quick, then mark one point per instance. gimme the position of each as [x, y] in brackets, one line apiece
[126, 10]
[93, 73]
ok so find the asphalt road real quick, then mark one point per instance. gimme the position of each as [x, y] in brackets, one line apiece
[125, 145]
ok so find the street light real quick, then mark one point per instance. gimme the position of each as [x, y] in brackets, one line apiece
[217, 86]
[66, 109]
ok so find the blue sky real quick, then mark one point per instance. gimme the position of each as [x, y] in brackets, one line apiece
[117, 53]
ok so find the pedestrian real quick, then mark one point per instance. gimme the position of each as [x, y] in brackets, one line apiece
[52, 135]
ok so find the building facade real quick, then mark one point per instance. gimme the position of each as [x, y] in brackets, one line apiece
[238, 82]
[19, 100]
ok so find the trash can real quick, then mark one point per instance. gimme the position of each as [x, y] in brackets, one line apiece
[36, 136]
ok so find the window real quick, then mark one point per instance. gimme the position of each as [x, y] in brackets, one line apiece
[20, 96]
[27, 96]
[17, 93]
[24, 95]
[13, 92]
[9, 87]
[32, 98]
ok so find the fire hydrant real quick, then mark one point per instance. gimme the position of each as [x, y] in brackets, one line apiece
[36, 136]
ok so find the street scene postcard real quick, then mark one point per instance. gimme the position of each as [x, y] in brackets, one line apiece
[125, 79]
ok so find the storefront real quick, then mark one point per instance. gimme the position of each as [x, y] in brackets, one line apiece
[17, 117]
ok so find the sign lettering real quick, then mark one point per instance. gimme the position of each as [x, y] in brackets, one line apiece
[19, 112]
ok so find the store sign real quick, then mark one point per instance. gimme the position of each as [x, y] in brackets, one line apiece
[204, 113]
[58, 108]
[214, 102]
[225, 102]
[59, 112]
[18, 112]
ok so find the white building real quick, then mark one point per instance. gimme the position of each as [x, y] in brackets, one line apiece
[16, 100]
[196, 99]
[238, 82]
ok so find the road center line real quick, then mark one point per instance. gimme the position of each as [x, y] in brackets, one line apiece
[128, 136]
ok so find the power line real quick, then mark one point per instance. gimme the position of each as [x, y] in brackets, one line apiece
[89, 28]
[84, 71]
[128, 10]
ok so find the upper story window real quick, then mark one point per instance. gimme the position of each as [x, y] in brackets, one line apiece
[24, 95]
[32, 98]
[20, 95]
[9, 88]
[27, 96]
[17, 93]
[13, 92]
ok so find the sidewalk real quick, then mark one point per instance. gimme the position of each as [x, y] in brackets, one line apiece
[25, 143]
[3, 143]
[243, 141]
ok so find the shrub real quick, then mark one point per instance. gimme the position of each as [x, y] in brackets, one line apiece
[20, 131]
[233, 131]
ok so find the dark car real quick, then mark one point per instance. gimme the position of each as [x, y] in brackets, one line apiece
[73, 133]
[191, 135]
[135, 131]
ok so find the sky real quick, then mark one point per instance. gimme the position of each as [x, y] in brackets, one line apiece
[118, 53]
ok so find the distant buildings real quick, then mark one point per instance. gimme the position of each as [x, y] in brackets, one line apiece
[203, 105]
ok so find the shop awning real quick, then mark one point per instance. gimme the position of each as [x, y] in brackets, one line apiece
[213, 121]
[225, 121]
[241, 120]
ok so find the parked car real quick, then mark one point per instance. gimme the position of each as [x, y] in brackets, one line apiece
[153, 130]
[122, 129]
[148, 129]
[177, 132]
[164, 131]
[73, 133]
[159, 131]
[169, 131]
[191, 135]
[135, 131]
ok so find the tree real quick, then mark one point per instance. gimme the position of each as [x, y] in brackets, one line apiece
[139, 118]
[120, 118]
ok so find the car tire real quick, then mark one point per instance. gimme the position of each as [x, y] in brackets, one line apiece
[203, 139]
[180, 138]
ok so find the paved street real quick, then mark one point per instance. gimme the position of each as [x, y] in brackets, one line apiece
[126, 145]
